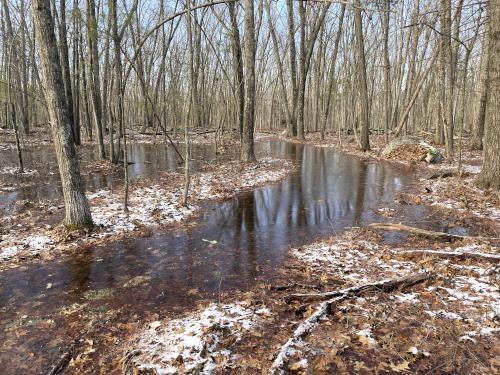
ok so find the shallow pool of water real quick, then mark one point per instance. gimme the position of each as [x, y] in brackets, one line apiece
[233, 243]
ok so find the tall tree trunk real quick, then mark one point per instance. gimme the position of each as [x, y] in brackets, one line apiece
[237, 66]
[247, 144]
[331, 78]
[77, 211]
[63, 53]
[387, 72]
[484, 91]
[490, 174]
[363, 85]
[119, 95]
[94, 81]
[292, 131]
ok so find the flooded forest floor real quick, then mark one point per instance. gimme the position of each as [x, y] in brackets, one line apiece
[300, 314]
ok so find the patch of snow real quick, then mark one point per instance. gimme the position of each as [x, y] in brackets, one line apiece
[407, 297]
[15, 171]
[367, 335]
[197, 342]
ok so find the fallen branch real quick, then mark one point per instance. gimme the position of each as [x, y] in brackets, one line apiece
[63, 361]
[384, 285]
[333, 297]
[294, 285]
[302, 330]
[454, 254]
[424, 232]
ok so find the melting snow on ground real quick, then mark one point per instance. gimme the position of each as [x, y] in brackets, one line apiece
[196, 343]
[34, 243]
[150, 207]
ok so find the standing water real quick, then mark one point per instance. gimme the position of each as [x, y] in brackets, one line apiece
[233, 243]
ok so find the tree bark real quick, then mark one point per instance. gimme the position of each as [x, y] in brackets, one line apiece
[490, 174]
[237, 66]
[94, 81]
[363, 85]
[247, 144]
[63, 53]
[484, 90]
[77, 211]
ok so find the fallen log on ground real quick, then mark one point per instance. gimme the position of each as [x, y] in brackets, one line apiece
[384, 285]
[454, 254]
[324, 308]
[425, 232]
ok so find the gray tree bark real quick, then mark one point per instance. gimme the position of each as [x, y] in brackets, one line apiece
[247, 144]
[77, 211]
[361, 66]
[490, 174]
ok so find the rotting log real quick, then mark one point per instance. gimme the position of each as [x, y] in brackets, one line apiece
[494, 258]
[278, 366]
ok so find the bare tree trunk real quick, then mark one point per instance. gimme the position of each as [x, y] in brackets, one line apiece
[63, 53]
[75, 202]
[484, 91]
[292, 130]
[332, 79]
[387, 72]
[95, 85]
[119, 94]
[361, 65]
[11, 113]
[279, 63]
[247, 146]
[237, 66]
[490, 174]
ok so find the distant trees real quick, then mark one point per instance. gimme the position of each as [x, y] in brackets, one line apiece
[360, 67]
[77, 211]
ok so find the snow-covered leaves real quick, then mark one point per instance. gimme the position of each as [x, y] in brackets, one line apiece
[198, 342]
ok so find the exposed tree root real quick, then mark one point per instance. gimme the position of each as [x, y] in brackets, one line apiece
[454, 254]
[333, 297]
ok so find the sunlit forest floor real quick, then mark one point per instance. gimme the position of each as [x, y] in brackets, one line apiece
[449, 323]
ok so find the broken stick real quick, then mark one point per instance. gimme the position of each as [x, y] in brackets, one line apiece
[333, 297]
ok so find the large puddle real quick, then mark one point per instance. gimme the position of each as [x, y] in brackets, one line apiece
[234, 243]
[145, 160]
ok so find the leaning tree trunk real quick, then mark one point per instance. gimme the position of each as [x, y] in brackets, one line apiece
[490, 175]
[247, 150]
[76, 205]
